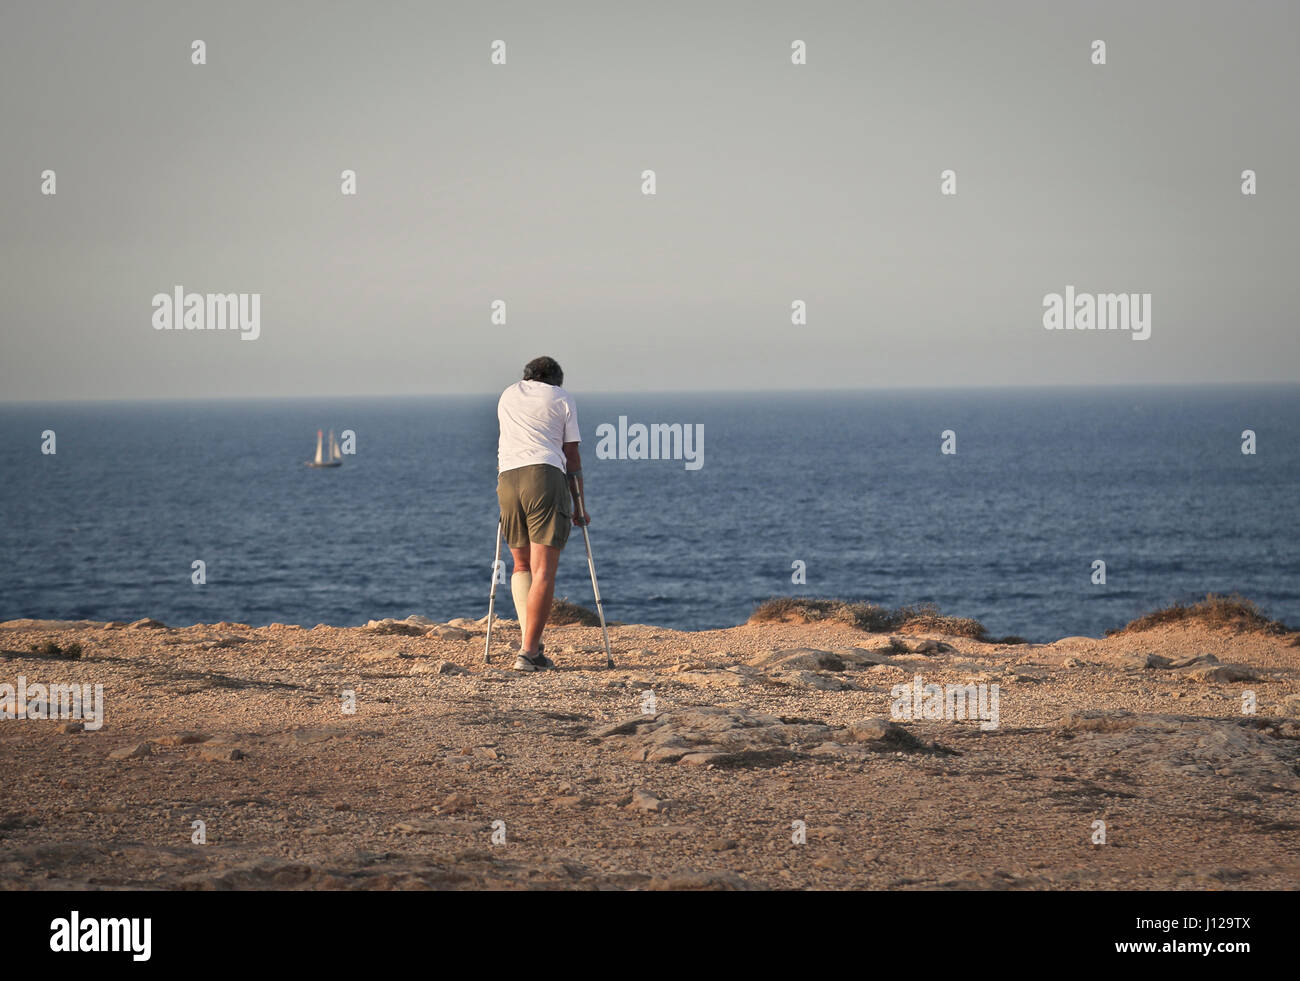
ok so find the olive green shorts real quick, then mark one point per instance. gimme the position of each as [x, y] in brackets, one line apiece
[535, 506]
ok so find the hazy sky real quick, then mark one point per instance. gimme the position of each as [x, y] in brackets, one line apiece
[522, 182]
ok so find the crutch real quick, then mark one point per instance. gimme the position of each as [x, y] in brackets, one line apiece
[492, 597]
[591, 564]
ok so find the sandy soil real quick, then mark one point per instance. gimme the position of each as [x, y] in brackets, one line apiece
[600, 788]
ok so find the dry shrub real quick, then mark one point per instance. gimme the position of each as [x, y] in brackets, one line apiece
[1227, 612]
[566, 614]
[925, 618]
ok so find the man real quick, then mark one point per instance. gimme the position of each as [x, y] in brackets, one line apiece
[539, 478]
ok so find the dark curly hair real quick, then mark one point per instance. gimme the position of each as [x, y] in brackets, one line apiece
[544, 370]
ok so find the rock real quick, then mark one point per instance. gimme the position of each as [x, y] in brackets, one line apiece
[445, 632]
[702, 759]
[454, 804]
[134, 752]
[186, 738]
[1285, 729]
[465, 623]
[417, 826]
[445, 667]
[145, 623]
[670, 753]
[220, 754]
[714, 678]
[1153, 661]
[420, 620]
[698, 881]
[1099, 721]
[390, 626]
[863, 657]
[1027, 675]
[643, 800]
[1198, 659]
[1191, 747]
[871, 730]
[626, 727]
[815, 680]
[800, 658]
[1220, 673]
[713, 734]
[881, 735]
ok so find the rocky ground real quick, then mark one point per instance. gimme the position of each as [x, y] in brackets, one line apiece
[688, 766]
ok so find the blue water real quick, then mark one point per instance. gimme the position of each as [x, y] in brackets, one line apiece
[1044, 481]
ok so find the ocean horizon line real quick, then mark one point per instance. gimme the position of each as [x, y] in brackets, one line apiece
[676, 392]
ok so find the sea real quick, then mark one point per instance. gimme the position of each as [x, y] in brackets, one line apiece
[845, 495]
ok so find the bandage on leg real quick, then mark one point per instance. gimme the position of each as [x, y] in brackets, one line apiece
[520, 583]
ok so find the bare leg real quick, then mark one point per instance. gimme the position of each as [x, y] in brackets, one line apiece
[543, 561]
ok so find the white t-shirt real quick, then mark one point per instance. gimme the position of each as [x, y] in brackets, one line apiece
[536, 420]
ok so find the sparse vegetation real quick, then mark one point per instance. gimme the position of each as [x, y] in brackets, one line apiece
[53, 651]
[1227, 612]
[565, 614]
[924, 618]
[927, 618]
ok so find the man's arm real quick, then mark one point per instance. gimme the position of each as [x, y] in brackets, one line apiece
[573, 464]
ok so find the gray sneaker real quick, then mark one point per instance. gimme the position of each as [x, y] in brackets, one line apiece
[534, 662]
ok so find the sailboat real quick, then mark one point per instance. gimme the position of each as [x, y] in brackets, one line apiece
[334, 459]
